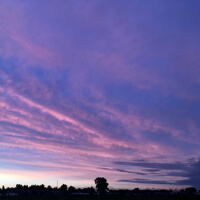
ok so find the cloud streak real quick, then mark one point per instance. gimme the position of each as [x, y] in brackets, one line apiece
[188, 172]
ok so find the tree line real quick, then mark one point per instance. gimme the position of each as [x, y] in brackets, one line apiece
[101, 188]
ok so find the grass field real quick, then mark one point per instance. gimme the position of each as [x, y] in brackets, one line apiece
[108, 197]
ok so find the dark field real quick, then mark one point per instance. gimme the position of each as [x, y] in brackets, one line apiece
[107, 197]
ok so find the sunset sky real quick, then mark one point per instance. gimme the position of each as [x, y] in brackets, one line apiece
[100, 88]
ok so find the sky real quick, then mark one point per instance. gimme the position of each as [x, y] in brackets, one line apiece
[100, 89]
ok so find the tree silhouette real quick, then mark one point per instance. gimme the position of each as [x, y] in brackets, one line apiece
[136, 190]
[191, 190]
[72, 189]
[63, 187]
[3, 190]
[101, 185]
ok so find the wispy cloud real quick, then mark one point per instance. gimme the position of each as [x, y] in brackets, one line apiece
[187, 172]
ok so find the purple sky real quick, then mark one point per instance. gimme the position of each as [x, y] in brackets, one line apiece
[100, 88]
